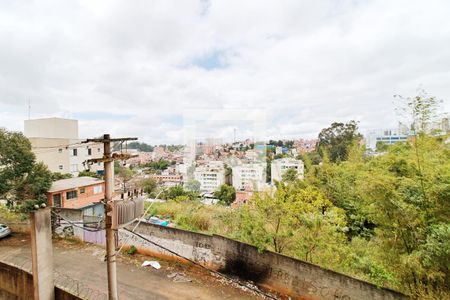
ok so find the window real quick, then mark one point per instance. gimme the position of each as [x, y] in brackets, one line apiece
[75, 152]
[98, 189]
[60, 150]
[74, 168]
[60, 167]
[82, 190]
[89, 151]
[98, 149]
[57, 200]
[71, 195]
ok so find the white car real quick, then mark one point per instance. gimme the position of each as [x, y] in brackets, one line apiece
[4, 231]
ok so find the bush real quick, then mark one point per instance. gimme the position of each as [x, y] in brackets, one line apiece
[132, 250]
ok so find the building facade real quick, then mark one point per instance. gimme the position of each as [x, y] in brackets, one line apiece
[280, 166]
[211, 176]
[249, 177]
[386, 136]
[76, 193]
[55, 142]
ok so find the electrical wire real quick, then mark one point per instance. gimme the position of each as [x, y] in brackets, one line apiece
[59, 146]
[255, 289]
[140, 219]
[75, 225]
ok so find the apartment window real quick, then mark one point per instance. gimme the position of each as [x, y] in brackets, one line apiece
[71, 195]
[82, 190]
[98, 189]
[75, 152]
[98, 149]
[60, 167]
[89, 151]
[60, 150]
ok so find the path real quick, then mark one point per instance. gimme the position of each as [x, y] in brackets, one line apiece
[84, 263]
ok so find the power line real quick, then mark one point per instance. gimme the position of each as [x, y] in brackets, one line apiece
[63, 145]
[255, 289]
[75, 225]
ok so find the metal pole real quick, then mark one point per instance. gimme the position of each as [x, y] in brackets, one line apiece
[110, 236]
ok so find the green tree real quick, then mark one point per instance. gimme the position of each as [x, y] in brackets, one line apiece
[21, 178]
[290, 175]
[159, 165]
[193, 185]
[59, 176]
[337, 139]
[149, 185]
[174, 192]
[125, 175]
[408, 204]
[88, 174]
[226, 194]
[36, 183]
[290, 220]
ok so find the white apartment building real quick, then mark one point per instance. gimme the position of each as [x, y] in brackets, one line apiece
[280, 166]
[211, 176]
[55, 142]
[386, 136]
[249, 177]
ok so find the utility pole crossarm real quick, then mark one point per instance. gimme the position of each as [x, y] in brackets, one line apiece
[114, 156]
[104, 140]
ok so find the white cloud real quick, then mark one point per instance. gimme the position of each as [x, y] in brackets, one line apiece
[307, 63]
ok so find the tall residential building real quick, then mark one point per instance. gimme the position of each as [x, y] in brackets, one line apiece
[249, 177]
[55, 142]
[211, 176]
[280, 166]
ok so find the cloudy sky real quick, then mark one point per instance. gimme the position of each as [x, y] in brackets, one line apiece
[133, 68]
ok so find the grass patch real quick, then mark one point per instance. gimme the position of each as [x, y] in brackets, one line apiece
[191, 215]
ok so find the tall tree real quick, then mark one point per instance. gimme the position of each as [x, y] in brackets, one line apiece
[337, 139]
[21, 178]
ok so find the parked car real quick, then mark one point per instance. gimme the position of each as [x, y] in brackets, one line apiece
[4, 231]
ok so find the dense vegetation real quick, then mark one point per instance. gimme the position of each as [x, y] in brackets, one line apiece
[382, 218]
[23, 181]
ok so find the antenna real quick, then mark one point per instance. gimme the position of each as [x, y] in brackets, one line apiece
[29, 109]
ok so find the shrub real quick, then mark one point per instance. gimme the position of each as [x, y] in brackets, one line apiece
[132, 250]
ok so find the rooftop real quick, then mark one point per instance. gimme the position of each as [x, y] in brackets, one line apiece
[71, 183]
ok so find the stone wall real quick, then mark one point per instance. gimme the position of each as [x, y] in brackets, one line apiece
[283, 274]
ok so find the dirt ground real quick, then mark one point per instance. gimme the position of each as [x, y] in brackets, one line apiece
[84, 263]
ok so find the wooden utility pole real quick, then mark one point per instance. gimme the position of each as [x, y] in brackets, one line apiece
[110, 216]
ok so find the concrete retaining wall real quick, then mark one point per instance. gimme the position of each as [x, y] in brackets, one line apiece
[289, 276]
[16, 283]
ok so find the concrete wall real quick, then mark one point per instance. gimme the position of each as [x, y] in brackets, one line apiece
[16, 283]
[23, 227]
[51, 128]
[42, 253]
[289, 276]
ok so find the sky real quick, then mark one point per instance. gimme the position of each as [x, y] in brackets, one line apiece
[137, 68]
